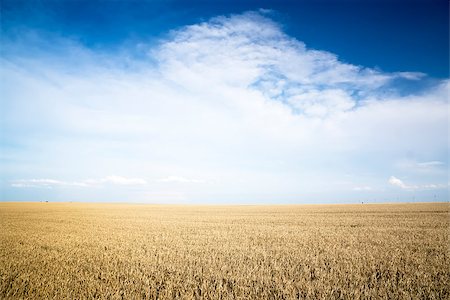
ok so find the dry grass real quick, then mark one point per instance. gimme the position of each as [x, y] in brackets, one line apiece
[73, 250]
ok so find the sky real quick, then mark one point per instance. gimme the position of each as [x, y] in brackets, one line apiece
[224, 102]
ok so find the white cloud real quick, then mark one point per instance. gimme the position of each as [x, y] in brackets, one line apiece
[251, 52]
[411, 75]
[399, 183]
[318, 103]
[432, 168]
[50, 183]
[428, 164]
[226, 99]
[37, 183]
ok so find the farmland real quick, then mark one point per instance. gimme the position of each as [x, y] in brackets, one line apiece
[131, 251]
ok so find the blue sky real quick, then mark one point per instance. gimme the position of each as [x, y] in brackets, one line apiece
[224, 102]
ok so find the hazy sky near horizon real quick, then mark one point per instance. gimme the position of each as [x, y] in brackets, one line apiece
[224, 102]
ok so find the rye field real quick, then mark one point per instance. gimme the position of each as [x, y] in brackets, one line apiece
[126, 251]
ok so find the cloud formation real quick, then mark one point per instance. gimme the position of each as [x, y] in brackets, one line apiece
[399, 183]
[251, 52]
[51, 183]
[430, 164]
[233, 101]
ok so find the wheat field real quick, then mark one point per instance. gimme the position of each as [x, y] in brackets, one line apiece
[126, 251]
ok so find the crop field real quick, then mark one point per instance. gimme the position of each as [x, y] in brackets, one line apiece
[126, 251]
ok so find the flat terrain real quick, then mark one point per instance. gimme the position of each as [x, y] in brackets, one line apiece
[74, 250]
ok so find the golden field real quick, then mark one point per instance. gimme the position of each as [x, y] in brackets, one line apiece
[126, 251]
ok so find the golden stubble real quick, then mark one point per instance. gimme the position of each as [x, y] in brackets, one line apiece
[126, 251]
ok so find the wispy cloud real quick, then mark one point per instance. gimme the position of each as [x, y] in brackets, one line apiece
[428, 164]
[411, 75]
[399, 183]
[250, 51]
[44, 182]
[228, 98]
[51, 183]
[422, 168]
